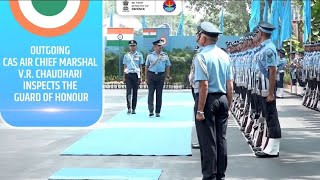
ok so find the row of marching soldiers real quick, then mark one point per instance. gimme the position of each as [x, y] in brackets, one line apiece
[310, 70]
[257, 65]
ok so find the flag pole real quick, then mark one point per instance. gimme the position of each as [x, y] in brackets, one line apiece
[310, 34]
[279, 36]
[119, 62]
[290, 62]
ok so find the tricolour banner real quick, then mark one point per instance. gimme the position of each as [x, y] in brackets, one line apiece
[149, 32]
[119, 36]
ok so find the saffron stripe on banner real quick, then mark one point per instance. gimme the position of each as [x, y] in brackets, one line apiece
[149, 30]
[120, 31]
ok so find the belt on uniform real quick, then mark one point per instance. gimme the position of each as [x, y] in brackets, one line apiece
[156, 72]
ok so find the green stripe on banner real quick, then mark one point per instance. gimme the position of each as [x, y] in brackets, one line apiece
[118, 43]
[152, 36]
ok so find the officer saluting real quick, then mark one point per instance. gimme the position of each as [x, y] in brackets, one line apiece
[213, 87]
[267, 66]
[132, 62]
[156, 71]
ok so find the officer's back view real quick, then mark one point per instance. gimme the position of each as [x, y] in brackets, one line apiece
[213, 87]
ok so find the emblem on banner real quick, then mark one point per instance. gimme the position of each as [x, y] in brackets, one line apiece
[169, 5]
[125, 5]
[163, 40]
[49, 18]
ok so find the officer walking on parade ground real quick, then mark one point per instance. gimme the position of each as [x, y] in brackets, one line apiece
[280, 72]
[132, 64]
[267, 66]
[157, 70]
[213, 87]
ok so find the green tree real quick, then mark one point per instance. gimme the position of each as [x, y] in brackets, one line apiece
[108, 6]
[315, 21]
[236, 14]
[190, 23]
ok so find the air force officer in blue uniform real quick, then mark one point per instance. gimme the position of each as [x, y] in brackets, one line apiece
[213, 87]
[157, 70]
[280, 70]
[267, 66]
[132, 64]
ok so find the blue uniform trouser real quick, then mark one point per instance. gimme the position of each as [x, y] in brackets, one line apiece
[317, 97]
[301, 83]
[249, 99]
[132, 85]
[312, 84]
[256, 105]
[155, 83]
[293, 81]
[272, 119]
[212, 136]
[270, 112]
[193, 94]
[253, 103]
[236, 88]
[280, 82]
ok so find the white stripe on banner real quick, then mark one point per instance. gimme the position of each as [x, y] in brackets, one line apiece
[126, 37]
[149, 33]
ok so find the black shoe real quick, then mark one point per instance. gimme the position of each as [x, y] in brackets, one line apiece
[129, 111]
[133, 112]
[256, 149]
[151, 114]
[261, 154]
[157, 114]
[195, 146]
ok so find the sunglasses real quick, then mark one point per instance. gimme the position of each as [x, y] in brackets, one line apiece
[132, 45]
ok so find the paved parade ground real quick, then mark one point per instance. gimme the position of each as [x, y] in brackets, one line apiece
[35, 154]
